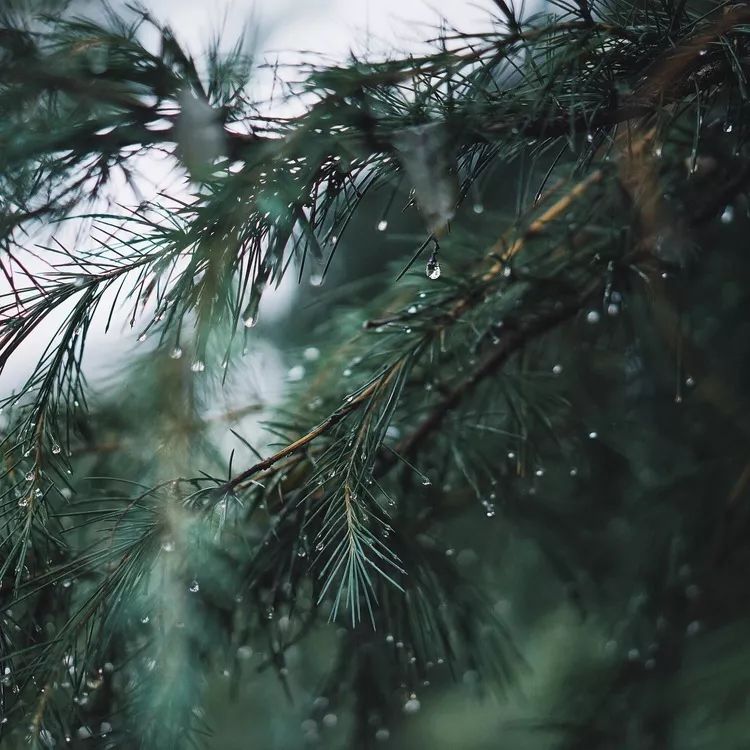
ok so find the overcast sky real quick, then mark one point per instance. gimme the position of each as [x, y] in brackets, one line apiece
[327, 26]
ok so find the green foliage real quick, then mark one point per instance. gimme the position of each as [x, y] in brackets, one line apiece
[561, 396]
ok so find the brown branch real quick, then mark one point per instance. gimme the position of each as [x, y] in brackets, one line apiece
[326, 425]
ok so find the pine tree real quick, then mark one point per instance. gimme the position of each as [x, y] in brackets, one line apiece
[509, 460]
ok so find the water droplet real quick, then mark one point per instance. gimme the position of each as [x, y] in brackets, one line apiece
[250, 321]
[382, 225]
[30, 476]
[244, 652]
[728, 127]
[689, 381]
[176, 353]
[194, 587]
[590, 137]
[56, 449]
[593, 435]
[489, 510]
[316, 279]
[574, 472]
[592, 316]
[198, 366]
[105, 728]
[511, 455]
[413, 705]
[613, 309]
[167, 545]
[633, 654]
[347, 372]
[319, 547]
[539, 472]
[295, 374]
[389, 638]
[557, 369]
[382, 735]
[426, 481]
[728, 215]
[23, 502]
[693, 628]
[330, 720]
[478, 208]
[311, 353]
[433, 267]
[412, 310]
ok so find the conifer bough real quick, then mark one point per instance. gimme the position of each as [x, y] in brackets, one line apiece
[598, 144]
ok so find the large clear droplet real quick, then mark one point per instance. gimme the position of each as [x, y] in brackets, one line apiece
[198, 366]
[250, 321]
[382, 225]
[176, 353]
[194, 587]
[728, 215]
[433, 268]
[592, 316]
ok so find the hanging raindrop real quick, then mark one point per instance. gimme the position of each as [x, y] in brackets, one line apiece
[592, 317]
[382, 225]
[194, 587]
[198, 366]
[176, 353]
[433, 267]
